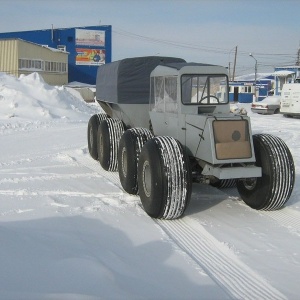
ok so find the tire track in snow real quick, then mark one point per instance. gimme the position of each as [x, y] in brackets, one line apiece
[10, 166]
[285, 217]
[236, 278]
[85, 160]
[219, 262]
[28, 192]
[121, 199]
[48, 177]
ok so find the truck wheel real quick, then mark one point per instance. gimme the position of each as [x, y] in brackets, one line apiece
[274, 188]
[130, 147]
[92, 133]
[164, 178]
[109, 134]
[224, 183]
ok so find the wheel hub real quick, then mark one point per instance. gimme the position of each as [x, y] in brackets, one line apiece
[147, 178]
[250, 183]
[91, 137]
[101, 146]
[124, 162]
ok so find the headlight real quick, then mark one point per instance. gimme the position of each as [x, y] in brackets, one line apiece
[232, 139]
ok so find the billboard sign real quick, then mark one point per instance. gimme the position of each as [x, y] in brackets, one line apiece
[90, 57]
[90, 37]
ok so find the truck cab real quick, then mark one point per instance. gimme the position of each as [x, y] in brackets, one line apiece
[190, 102]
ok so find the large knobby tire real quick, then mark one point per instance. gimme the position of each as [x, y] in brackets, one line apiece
[164, 178]
[109, 135]
[130, 147]
[274, 188]
[92, 133]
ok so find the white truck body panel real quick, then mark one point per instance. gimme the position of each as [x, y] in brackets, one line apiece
[290, 99]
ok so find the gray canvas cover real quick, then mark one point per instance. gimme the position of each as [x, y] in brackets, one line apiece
[128, 80]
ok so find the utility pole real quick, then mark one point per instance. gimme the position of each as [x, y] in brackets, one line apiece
[255, 74]
[233, 74]
[231, 78]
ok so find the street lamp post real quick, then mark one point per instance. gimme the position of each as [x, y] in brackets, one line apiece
[255, 74]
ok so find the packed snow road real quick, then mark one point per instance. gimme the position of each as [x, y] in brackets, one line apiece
[69, 231]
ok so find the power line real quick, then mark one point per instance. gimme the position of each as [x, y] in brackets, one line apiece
[264, 59]
[193, 46]
[172, 43]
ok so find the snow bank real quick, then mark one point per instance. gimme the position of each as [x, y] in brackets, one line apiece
[29, 98]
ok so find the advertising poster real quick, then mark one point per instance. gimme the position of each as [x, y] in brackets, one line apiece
[90, 57]
[90, 37]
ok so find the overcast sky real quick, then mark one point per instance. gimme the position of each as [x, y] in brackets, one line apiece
[197, 30]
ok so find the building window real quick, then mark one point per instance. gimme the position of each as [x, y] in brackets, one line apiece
[47, 66]
[32, 64]
[40, 65]
[62, 48]
[248, 89]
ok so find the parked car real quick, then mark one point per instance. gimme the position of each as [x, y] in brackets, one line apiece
[268, 106]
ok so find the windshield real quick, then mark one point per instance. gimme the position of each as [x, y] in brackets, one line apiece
[204, 89]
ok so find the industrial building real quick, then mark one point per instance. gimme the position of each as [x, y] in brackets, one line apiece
[246, 88]
[21, 57]
[284, 75]
[87, 48]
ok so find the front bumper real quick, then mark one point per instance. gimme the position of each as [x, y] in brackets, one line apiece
[248, 171]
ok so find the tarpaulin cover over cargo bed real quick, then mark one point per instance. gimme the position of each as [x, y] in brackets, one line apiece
[128, 80]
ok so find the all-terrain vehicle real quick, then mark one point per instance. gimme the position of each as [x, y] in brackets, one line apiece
[167, 123]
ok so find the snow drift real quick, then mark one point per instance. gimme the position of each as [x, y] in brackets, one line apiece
[30, 98]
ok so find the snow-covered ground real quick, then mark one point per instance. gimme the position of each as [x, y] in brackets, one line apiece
[68, 231]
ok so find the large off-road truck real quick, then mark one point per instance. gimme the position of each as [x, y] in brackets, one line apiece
[167, 124]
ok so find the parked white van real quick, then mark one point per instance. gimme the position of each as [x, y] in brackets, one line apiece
[290, 100]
